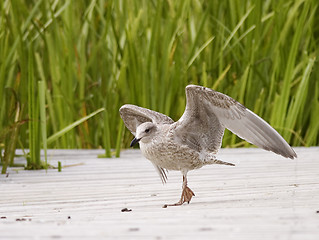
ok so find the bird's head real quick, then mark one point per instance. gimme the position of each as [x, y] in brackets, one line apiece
[144, 133]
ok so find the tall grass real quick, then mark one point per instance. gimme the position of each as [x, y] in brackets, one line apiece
[91, 55]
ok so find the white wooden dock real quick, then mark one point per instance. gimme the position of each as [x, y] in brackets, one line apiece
[264, 196]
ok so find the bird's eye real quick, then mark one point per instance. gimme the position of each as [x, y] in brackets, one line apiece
[147, 130]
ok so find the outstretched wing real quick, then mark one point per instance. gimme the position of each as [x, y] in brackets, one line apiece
[208, 113]
[133, 116]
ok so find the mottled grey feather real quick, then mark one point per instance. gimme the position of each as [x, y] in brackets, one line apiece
[195, 138]
[210, 112]
[133, 116]
[161, 172]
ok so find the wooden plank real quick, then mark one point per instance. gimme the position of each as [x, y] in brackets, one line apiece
[263, 197]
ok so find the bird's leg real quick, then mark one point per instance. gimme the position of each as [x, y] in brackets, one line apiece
[187, 193]
[186, 196]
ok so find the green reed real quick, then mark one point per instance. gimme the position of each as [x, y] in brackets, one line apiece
[95, 55]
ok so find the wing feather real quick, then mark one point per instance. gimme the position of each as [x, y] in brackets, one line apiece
[229, 114]
[133, 116]
[161, 172]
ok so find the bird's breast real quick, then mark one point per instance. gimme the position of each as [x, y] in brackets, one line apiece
[171, 156]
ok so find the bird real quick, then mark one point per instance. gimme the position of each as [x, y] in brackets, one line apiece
[194, 140]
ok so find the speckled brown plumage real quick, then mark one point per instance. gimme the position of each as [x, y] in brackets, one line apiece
[194, 140]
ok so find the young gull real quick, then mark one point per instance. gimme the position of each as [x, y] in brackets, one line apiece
[194, 140]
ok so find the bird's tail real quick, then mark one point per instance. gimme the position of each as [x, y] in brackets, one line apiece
[216, 161]
[211, 159]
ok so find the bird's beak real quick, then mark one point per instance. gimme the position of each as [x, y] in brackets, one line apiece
[134, 141]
